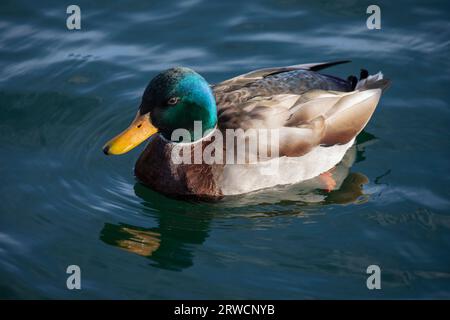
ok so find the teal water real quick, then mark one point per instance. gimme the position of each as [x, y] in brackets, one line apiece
[64, 93]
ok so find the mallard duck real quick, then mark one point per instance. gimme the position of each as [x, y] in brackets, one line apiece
[316, 118]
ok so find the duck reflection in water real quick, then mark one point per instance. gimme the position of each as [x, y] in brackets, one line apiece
[168, 246]
[172, 243]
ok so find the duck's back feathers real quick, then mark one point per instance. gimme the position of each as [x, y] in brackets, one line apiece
[259, 74]
[297, 81]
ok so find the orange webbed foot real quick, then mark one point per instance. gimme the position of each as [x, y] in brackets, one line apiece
[328, 180]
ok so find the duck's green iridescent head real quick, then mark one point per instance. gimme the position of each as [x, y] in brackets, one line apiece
[174, 99]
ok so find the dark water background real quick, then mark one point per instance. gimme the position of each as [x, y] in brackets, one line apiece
[64, 93]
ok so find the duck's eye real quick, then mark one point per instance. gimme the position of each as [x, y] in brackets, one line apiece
[173, 100]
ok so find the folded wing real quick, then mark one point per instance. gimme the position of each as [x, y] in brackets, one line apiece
[324, 111]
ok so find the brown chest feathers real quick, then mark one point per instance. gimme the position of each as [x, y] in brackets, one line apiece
[156, 169]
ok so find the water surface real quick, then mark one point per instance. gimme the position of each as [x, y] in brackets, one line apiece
[64, 93]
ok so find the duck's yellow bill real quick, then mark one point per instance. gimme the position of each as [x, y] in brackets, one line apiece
[140, 129]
